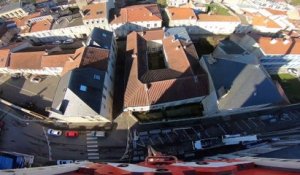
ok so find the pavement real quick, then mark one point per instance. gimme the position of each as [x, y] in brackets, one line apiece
[21, 91]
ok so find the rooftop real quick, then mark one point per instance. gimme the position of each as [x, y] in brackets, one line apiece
[181, 13]
[10, 6]
[219, 18]
[148, 87]
[279, 46]
[41, 25]
[68, 21]
[241, 85]
[260, 20]
[79, 93]
[94, 11]
[230, 47]
[146, 12]
[100, 38]
[178, 33]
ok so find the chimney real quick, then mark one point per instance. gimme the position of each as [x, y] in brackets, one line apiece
[191, 17]
[273, 41]
[115, 16]
[151, 14]
[164, 28]
[178, 47]
[83, 43]
[81, 13]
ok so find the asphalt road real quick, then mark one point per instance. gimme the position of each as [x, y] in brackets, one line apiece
[25, 135]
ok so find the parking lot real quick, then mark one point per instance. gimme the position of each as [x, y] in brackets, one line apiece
[179, 141]
[23, 92]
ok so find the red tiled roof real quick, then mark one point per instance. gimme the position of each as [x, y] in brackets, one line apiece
[23, 21]
[26, 60]
[137, 13]
[88, 56]
[181, 13]
[94, 11]
[41, 25]
[291, 46]
[55, 60]
[4, 57]
[276, 12]
[218, 18]
[148, 87]
[259, 20]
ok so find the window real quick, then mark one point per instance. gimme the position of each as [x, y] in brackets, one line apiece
[96, 77]
[83, 88]
[148, 25]
[87, 22]
[104, 96]
[155, 25]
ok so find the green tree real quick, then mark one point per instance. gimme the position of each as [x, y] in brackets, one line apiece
[162, 3]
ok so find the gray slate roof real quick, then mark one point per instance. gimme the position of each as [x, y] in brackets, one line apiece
[71, 101]
[230, 47]
[9, 7]
[178, 32]
[100, 38]
[247, 84]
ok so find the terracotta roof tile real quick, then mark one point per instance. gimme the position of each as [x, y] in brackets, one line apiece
[94, 11]
[41, 25]
[137, 13]
[148, 87]
[88, 57]
[55, 60]
[276, 12]
[259, 20]
[4, 57]
[181, 13]
[281, 47]
[218, 18]
[26, 60]
[23, 21]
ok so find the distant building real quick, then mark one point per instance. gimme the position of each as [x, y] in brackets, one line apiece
[176, 3]
[14, 160]
[161, 71]
[275, 54]
[65, 24]
[202, 23]
[16, 9]
[136, 18]
[236, 85]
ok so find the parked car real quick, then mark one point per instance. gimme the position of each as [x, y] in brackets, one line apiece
[62, 162]
[35, 79]
[56, 42]
[71, 134]
[68, 41]
[54, 132]
[16, 75]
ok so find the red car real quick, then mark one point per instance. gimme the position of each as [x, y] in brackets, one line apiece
[71, 134]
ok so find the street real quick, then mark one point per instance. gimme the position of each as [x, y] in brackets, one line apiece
[25, 135]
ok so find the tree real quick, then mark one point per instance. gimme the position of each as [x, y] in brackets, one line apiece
[162, 3]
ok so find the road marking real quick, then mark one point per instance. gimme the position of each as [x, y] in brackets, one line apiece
[89, 134]
[92, 146]
[92, 150]
[94, 158]
[93, 154]
[48, 143]
[92, 142]
[91, 138]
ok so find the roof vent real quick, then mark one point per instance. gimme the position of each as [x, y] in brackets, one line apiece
[273, 41]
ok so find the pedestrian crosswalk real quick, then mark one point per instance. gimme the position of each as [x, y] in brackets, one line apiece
[92, 147]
